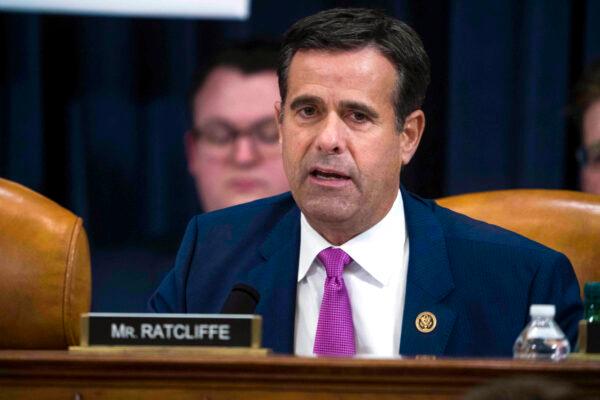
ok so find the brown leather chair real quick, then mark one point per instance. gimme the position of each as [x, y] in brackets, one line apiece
[45, 276]
[562, 220]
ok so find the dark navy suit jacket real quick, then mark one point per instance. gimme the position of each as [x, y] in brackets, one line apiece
[476, 278]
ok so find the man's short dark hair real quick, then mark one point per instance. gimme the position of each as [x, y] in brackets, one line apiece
[249, 57]
[586, 92]
[344, 29]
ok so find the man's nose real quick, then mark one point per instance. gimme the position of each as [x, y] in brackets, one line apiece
[331, 138]
[244, 151]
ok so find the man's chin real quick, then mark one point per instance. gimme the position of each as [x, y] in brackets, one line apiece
[235, 199]
[328, 211]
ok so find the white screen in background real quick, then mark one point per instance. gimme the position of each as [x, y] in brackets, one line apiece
[214, 9]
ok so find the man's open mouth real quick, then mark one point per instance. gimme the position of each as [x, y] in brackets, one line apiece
[328, 175]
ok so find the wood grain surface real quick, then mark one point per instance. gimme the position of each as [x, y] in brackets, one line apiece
[63, 375]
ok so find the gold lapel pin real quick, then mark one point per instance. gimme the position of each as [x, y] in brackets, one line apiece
[426, 322]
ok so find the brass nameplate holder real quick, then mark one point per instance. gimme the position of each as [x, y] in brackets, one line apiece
[174, 333]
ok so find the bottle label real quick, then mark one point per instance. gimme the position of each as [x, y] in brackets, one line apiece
[543, 333]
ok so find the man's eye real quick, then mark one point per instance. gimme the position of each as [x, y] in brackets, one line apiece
[267, 133]
[359, 117]
[218, 135]
[308, 111]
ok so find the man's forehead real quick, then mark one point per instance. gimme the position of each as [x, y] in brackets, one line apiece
[362, 73]
[231, 94]
[360, 56]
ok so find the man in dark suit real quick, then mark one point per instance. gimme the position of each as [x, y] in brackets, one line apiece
[348, 263]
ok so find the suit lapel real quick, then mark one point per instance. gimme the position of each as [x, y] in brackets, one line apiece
[428, 281]
[276, 281]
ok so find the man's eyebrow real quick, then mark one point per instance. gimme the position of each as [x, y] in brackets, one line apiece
[213, 121]
[305, 100]
[361, 107]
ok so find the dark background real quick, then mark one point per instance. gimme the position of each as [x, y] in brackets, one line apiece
[93, 109]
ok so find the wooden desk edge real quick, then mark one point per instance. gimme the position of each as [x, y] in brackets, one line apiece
[231, 374]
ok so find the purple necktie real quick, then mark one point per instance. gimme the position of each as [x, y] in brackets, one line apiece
[335, 330]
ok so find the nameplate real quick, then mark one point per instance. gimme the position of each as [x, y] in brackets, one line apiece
[124, 329]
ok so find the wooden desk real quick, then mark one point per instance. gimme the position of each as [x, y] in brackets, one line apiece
[60, 375]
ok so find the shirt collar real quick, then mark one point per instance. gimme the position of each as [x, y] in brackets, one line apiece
[372, 250]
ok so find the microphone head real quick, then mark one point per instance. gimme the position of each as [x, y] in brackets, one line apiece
[242, 299]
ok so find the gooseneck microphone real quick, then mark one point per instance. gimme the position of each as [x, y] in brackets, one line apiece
[242, 300]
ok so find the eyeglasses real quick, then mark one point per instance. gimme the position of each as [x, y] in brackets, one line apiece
[222, 135]
[589, 156]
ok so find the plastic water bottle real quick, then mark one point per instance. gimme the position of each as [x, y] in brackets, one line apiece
[542, 338]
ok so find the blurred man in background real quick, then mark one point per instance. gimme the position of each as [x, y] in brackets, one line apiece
[233, 154]
[233, 148]
[587, 113]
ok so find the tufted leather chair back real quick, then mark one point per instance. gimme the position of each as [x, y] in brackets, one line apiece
[563, 220]
[45, 277]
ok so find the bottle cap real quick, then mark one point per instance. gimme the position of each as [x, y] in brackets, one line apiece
[591, 291]
[542, 310]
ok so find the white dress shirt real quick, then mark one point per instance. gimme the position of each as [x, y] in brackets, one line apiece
[375, 280]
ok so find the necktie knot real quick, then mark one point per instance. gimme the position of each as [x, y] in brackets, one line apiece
[334, 260]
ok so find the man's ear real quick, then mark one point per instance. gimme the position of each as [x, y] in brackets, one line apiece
[278, 117]
[189, 142]
[411, 134]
